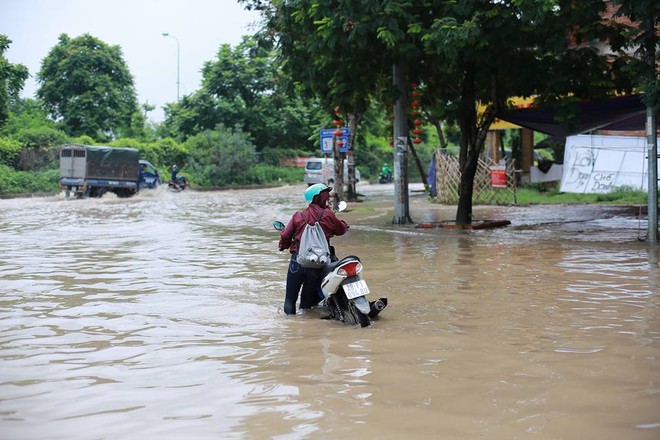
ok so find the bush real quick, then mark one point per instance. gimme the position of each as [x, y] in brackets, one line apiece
[170, 152]
[127, 143]
[162, 153]
[266, 174]
[39, 148]
[18, 182]
[221, 157]
[147, 151]
[82, 140]
[10, 150]
[276, 156]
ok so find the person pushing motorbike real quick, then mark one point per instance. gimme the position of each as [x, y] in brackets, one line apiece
[297, 276]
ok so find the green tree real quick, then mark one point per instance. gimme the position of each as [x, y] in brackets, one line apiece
[196, 113]
[25, 114]
[491, 51]
[10, 149]
[86, 85]
[37, 137]
[462, 52]
[643, 38]
[243, 87]
[333, 52]
[12, 80]
[39, 147]
[221, 157]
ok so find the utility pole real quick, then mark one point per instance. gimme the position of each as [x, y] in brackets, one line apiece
[165, 34]
[651, 137]
[400, 138]
[652, 148]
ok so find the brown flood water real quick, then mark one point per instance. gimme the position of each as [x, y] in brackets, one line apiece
[160, 317]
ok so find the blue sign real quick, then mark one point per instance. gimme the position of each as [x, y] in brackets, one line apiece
[326, 140]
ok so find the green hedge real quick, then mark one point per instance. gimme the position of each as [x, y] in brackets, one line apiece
[22, 182]
[268, 174]
[9, 152]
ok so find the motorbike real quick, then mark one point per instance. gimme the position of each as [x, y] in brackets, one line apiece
[180, 184]
[385, 178]
[344, 289]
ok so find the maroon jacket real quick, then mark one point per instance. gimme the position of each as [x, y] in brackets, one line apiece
[290, 236]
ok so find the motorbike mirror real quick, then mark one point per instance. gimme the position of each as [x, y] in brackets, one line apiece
[341, 206]
[278, 225]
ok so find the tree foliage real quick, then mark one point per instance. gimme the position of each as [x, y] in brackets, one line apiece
[40, 148]
[461, 52]
[220, 157]
[38, 138]
[340, 53]
[641, 36]
[12, 80]
[86, 86]
[26, 114]
[243, 87]
[489, 52]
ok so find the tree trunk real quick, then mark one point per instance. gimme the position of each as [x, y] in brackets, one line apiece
[466, 190]
[467, 161]
[437, 123]
[420, 168]
[473, 139]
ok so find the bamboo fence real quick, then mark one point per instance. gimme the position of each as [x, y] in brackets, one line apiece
[448, 178]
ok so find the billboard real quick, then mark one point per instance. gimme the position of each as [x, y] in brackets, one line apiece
[599, 164]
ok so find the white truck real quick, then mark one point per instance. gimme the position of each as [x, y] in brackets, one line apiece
[322, 170]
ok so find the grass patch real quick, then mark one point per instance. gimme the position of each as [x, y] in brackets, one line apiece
[360, 209]
[620, 196]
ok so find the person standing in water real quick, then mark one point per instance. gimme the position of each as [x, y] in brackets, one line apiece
[299, 277]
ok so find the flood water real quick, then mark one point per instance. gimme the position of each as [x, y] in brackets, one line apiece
[160, 317]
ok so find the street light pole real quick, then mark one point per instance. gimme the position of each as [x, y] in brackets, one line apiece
[165, 34]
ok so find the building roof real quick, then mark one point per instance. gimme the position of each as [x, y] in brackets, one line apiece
[621, 113]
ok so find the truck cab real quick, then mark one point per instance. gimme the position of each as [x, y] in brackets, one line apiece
[149, 177]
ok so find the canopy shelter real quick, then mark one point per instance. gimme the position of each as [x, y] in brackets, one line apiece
[621, 113]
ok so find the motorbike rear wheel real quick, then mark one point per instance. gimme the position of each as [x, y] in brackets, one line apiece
[358, 316]
[350, 313]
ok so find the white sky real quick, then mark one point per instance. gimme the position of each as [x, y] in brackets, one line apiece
[200, 26]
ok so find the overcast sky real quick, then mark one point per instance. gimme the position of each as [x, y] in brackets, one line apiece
[200, 26]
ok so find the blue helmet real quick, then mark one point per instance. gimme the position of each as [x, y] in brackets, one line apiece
[315, 189]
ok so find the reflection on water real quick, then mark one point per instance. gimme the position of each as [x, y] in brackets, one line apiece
[161, 317]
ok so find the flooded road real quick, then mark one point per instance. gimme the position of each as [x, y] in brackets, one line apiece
[160, 317]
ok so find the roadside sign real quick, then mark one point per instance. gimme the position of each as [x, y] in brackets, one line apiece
[498, 176]
[326, 140]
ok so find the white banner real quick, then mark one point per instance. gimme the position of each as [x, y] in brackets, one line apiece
[599, 164]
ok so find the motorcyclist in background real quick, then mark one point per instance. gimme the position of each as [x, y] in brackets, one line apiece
[385, 174]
